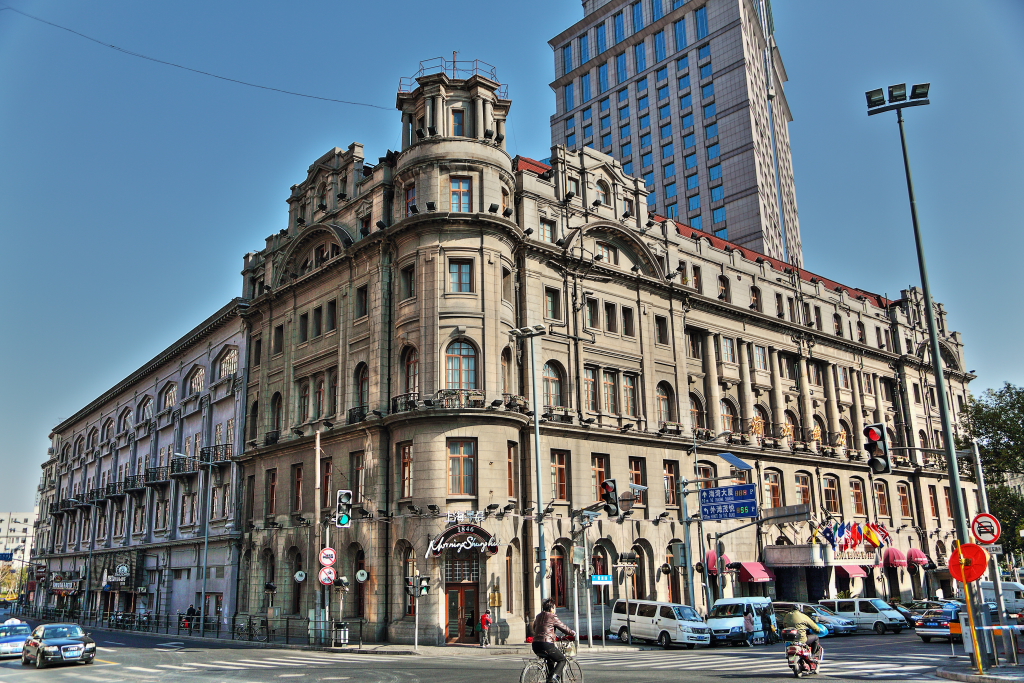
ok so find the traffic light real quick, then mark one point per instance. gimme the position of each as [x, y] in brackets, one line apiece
[424, 585]
[877, 445]
[610, 496]
[411, 585]
[344, 509]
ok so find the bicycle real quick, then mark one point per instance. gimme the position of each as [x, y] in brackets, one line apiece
[536, 670]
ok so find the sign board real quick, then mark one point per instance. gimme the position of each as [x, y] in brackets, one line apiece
[986, 528]
[328, 557]
[969, 562]
[787, 514]
[994, 548]
[122, 570]
[327, 575]
[601, 579]
[737, 463]
[728, 502]
[6, 557]
[462, 537]
[299, 576]
[362, 575]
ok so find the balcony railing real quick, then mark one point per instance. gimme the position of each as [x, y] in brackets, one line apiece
[404, 402]
[55, 508]
[357, 414]
[67, 504]
[115, 488]
[461, 398]
[158, 475]
[558, 414]
[216, 454]
[183, 466]
[272, 437]
[134, 482]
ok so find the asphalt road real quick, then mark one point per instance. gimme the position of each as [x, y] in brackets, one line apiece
[124, 658]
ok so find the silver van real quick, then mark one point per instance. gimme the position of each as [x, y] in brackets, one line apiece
[663, 622]
[870, 614]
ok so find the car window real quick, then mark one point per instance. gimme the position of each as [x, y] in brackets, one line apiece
[620, 608]
[868, 607]
[784, 606]
[735, 610]
[632, 608]
[845, 606]
[821, 609]
[646, 610]
[667, 613]
[15, 630]
[808, 610]
[686, 613]
[63, 632]
[880, 604]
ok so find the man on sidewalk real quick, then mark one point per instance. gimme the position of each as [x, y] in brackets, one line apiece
[485, 628]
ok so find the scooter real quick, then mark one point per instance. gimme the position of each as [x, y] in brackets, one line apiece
[800, 656]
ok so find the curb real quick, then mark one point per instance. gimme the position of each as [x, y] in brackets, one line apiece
[954, 675]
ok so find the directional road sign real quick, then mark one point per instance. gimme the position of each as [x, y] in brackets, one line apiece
[986, 528]
[327, 575]
[728, 502]
[6, 557]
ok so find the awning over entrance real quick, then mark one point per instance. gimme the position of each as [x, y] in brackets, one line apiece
[894, 557]
[754, 572]
[711, 561]
[852, 570]
[917, 556]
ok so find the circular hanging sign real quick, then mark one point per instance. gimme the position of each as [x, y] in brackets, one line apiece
[299, 576]
[460, 537]
[969, 562]
[328, 557]
[362, 575]
[327, 575]
[122, 570]
[986, 528]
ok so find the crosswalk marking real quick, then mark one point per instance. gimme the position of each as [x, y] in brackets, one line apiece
[142, 668]
[219, 666]
[175, 666]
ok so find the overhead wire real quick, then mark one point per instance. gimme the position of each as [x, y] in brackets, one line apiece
[186, 68]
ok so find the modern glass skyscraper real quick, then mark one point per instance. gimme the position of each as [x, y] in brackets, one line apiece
[689, 96]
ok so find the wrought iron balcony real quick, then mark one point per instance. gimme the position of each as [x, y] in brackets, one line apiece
[461, 398]
[67, 504]
[357, 414]
[157, 475]
[114, 489]
[134, 482]
[404, 402]
[515, 403]
[55, 508]
[216, 454]
[184, 466]
[96, 495]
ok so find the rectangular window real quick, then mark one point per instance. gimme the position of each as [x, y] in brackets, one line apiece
[663, 93]
[362, 305]
[933, 498]
[460, 275]
[458, 126]
[619, 24]
[905, 508]
[278, 339]
[680, 31]
[638, 16]
[318, 321]
[570, 97]
[356, 473]
[408, 282]
[728, 350]
[584, 48]
[257, 352]
[661, 75]
[606, 121]
[659, 46]
[831, 491]
[642, 104]
[598, 473]
[705, 71]
[698, 282]
[552, 303]
[593, 318]
[602, 38]
[664, 112]
[588, 131]
[462, 467]
[462, 195]
[606, 140]
[949, 503]
[602, 78]
[690, 160]
[638, 476]
[917, 392]
[689, 141]
[646, 160]
[567, 58]
[715, 172]
[629, 395]
[610, 318]
[296, 487]
[670, 190]
[628, 325]
[657, 9]
[506, 284]
[685, 102]
[547, 230]
[760, 358]
[560, 475]
[304, 327]
[332, 316]
[669, 171]
[710, 110]
[661, 329]
[666, 131]
[620, 68]
[773, 481]
[701, 16]
[714, 151]
[717, 194]
[405, 453]
[671, 477]
[326, 472]
[703, 52]
[692, 182]
[707, 91]
[882, 498]
[693, 203]
[610, 382]
[803, 489]
[585, 88]
[640, 58]
[718, 215]
[590, 388]
[270, 490]
[511, 467]
[711, 131]
[859, 503]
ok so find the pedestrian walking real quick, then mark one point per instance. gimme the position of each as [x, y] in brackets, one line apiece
[748, 625]
[766, 626]
[485, 628]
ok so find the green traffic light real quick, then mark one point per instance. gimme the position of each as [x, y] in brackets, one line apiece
[344, 519]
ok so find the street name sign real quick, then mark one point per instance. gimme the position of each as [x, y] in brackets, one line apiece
[728, 502]
[601, 579]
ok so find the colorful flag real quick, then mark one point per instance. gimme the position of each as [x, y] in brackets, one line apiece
[884, 533]
[872, 536]
[829, 535]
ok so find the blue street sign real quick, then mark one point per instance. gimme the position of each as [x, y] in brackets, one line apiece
[6, 557]
[728, 502]
[601, 579]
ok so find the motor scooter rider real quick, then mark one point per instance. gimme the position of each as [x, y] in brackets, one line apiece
[807, 630]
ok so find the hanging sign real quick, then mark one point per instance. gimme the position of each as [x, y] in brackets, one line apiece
[462, 537]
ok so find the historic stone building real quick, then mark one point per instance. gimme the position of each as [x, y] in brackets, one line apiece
[379, 332]
[135, 479]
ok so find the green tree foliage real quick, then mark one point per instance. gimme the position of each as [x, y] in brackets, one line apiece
[996, 420]
[1008, 506]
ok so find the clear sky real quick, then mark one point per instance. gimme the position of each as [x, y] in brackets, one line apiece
[129, 190]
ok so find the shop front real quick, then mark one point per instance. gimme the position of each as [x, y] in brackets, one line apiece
[814, 571]
[463, 548]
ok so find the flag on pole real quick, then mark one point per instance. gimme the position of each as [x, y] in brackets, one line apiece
[829, 535]
[872, 536]
[884, 533]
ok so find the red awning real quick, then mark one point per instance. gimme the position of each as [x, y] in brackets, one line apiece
[917, 556]
[711, 561]
[754, 572]
[852, 570]
[894, 557]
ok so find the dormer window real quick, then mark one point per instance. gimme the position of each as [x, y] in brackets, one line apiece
[602, 192]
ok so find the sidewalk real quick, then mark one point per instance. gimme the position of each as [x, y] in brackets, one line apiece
[968, 674]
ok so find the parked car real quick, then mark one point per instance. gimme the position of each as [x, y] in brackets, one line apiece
[870, 614]
[835, 624]
[908, 616]
[13, 637]
[919, 607]
[935, 623]
[663, 622]
[58, 644]
[726, 618]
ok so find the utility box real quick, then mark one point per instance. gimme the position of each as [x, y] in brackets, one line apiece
[273, 613]
[339, 634]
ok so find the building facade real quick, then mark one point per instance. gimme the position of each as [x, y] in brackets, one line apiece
[382, 363]
[136, 479]
[689, 96]
[16, 537]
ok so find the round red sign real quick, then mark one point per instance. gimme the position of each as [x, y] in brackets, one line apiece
[327, 575]
[969, 562]
[986, 528]
[328, 557]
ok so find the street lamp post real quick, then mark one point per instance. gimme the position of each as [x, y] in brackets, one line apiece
[532, 333]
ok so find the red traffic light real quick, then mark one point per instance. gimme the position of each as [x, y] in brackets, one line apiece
[608, 486]
[873, 433]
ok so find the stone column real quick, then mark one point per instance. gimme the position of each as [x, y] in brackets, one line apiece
[428, 114]
[405, 131]
[831, 403]
[712, 390]
[439, 115]
[488, 115]
[500, 123]
[775, 399]
[478, 118]
[878, 413]
[806, 407]
[746, 387]
[858, 413]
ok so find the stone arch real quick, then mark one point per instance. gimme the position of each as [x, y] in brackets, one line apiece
[644, 257]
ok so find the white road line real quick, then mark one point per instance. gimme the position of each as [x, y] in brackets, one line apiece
[142, 668]
[105, 649]
[245, 662]
[173, 666]
[276, 662]
[290, 675]
[335, 678]
[112, 642]
[219, 666]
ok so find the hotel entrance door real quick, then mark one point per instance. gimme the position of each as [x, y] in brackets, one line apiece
[461, 616]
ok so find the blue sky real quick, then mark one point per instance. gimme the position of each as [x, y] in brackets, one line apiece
[130, 190]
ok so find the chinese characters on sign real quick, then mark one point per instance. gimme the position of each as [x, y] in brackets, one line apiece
[728, 502]
[462, 516]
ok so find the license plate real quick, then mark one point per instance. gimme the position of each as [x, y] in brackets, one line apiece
[931, 624]
[700, 637]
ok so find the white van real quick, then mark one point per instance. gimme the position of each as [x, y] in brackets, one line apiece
[1013, 594]
[870, 614]
[726, 618]
[664, 622]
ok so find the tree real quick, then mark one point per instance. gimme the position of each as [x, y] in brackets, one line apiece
[1007, 505]
[996, 420]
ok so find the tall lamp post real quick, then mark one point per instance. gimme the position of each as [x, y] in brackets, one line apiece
[898, 101]
[532, 333]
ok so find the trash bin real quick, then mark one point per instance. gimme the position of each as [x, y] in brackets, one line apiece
[339, 634]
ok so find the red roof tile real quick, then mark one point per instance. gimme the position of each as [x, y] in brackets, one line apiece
[528, 164]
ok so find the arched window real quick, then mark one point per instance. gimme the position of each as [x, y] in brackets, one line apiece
[506, 371]
[832, 501]
[558, 592]
[228, 363]
[803, 489]
[268, 575]
[765, 423]
[170, 397]
[820, 433]
[318, 400]
[409, 564]
[412, 370]
[296, 585]
[602, 192]
[196, 381]
[124, 423]
[773, 488]
[460, 364]
[663, 395]
[882, 497]
[332, 392]
[729, 421]
[304, 402]
[755, 299]
[793, 424]
[858, 495]
[697, 413]
[940, 553]
[254, 415]
[723, 288]
[552, 385]
[108, 430]
[276, 413]
[94, 437]
[362, 386]
[847, 434]
[837, 325]
[146, 408]
[922, 439]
